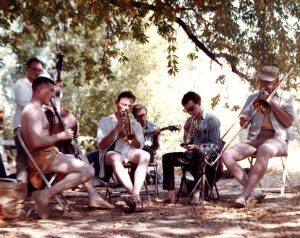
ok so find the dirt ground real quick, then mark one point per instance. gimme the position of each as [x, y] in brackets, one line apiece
[277, 216]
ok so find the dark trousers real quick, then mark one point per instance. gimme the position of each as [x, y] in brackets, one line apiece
[178, 159]
[194, 165]
[93, 158]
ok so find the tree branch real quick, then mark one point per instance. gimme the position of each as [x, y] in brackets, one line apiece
[232, 60]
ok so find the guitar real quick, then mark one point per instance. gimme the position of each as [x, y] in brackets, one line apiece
[169, 128]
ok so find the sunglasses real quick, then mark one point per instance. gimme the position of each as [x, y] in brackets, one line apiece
[35, 69]
[189, 110]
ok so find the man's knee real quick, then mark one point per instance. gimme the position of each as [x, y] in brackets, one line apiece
[145, 157]
[226, 157]
[88, 171]
[140, 157]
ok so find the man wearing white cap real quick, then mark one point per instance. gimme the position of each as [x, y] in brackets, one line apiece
[268, 136]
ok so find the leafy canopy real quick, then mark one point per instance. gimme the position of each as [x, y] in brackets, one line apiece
[247, 34]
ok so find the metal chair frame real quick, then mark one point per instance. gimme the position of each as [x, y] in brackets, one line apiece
[285, 175]
[128, 166]
[59, 198]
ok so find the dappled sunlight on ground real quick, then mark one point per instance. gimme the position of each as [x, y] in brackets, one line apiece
[277, 215]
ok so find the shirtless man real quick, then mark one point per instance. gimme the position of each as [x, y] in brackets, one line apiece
[35, 131]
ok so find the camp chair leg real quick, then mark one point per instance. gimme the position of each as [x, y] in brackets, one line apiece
[60, 199]
[285, 176]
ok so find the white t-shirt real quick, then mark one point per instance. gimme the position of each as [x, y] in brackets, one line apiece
[106, 125]
[23, 94]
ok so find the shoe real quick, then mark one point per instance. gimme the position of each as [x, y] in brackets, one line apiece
[253, 200]
[134, 204]
[240, 203]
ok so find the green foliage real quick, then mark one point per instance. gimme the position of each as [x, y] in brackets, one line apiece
[248, 34]
[215, 100]
[102, 44]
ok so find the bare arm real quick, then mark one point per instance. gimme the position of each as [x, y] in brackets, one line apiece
[283, 117]
[33, 129]
[155, 145]
[109, 139]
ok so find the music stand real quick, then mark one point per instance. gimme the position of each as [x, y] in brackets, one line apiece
[203, 180]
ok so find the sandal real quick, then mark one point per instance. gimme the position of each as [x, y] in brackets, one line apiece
[240, 203]
[254, 199]
[135, 205]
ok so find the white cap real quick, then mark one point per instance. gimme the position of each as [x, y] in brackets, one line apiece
[269, 73]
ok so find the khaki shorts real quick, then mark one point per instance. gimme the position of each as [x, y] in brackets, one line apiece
[44, 158]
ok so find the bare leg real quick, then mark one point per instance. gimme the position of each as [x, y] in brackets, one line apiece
[141, 158]
[195, 197]
[114, 160]
[77, 172]
[270, 148]
[231, 157]
[95, 199]
[234, 154]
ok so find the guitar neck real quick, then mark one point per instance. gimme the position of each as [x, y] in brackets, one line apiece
[159, 130]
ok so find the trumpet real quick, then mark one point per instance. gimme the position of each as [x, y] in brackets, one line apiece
[188, 135]
[129, 136]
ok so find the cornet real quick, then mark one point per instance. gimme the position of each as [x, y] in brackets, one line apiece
[129, 136]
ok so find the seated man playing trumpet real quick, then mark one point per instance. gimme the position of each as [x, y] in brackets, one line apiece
[201, 130]
[268, 134]
[121, 139]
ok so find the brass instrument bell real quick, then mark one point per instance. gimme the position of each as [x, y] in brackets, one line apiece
[129, 136]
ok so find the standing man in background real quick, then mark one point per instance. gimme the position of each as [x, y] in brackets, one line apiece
[23, 94]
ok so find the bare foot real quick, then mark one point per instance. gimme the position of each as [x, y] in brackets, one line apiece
[240, 202]
[169, 198]
[99, 202]
[40, 205]
[195, 201]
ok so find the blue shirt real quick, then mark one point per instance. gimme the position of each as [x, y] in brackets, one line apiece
[207, 131]
[149, 138]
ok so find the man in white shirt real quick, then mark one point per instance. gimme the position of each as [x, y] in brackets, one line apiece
[116, 147]
[23, 94]
[268, 135]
